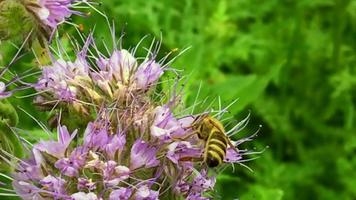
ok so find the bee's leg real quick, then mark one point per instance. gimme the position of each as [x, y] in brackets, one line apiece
[192, 159]
[232, 145]
[186, 137]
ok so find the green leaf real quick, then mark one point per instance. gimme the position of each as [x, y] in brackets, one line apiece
[263, 193]
[9, 140]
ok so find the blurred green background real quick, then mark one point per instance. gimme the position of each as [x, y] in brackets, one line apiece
[292, 64]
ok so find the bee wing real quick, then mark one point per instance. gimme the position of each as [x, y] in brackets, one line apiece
[200, 117]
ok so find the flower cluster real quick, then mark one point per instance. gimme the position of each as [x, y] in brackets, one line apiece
[118, 163]
[51, 12]
[120, 82]
[116, 76]
[134, 147]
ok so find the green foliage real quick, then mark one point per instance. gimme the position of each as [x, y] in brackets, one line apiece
[8, 139]
[15, 21]
[292, 63]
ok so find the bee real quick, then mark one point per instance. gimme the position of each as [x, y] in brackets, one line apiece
[212, 132]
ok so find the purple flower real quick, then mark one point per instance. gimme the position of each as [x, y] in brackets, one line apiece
[147, 73]
[195, 190]
[182, 187]
[26, 191]
[232, 156]
[86, 184]
[71, 166]
[202, 182]
[142, 155]
[28, 170]
[119, 66]
[93, 162]
[114, 173]
[121, 193]
[51, 12]
[196, 196]
[96, 136]
[84, 196]
[54, 184]
[62, 78]
[54, 148]
[115, 143]
[68, 167]
[165, 125]
[178, 151]
[145, 193]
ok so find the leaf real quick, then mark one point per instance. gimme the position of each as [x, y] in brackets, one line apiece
[9, 140]
[263, 193]
[244, 88]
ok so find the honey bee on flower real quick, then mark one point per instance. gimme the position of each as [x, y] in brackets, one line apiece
[133, 145]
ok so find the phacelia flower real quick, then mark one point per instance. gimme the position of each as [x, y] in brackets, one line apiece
[120, 193]
[139, 168]
[147, 73]
[38, 18]
[143, 155]
[53, 184]
[50, 13]
[135, 146]
[144, 193]
[57, 78]
[84, 196]
[119, 81]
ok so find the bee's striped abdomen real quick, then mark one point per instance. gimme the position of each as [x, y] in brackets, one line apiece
[216, 148]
